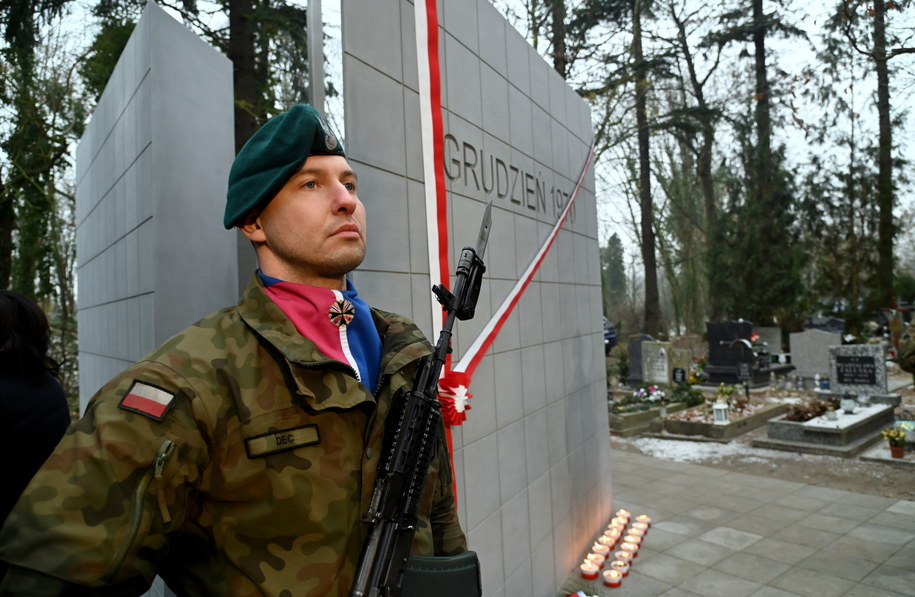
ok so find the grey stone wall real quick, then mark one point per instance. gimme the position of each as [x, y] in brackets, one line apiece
[152, 255]
[533, 459]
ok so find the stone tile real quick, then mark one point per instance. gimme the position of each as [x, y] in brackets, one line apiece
[839, 565]
[733, 539]
[868, 550]
[680, 527]
[635, 585]
[668, 569]
[755, 524]
[812, 584]
[778, 513]
[870, 501]
[780, 551]
[699, 552]
[823, 493]
[661, 540]
[800, 502]
[882, 534]
[852, 512]
[897, 520]
[891, 578]
[800, 535]
[710, 514]
[752, 567]
[679, 592]
[772, 592]
[713, 583]
[904, 558]
[825, 522]
[866, 591]
[903, 507]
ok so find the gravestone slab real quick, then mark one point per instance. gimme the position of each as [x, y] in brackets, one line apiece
[656, 362]
[810, 351]
[827, 324]
[732, 358]
[680, 360]
[723, 337]
[772, 337]
[635, 358]
[858, 369]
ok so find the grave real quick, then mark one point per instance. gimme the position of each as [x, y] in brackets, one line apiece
[656, 363]
[772, 338]
[810, 352]
[848, 435]
[857, 373]
[635, 358]
[732, 359]
[858, 369]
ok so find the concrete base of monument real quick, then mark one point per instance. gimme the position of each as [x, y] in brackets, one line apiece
[846, 436]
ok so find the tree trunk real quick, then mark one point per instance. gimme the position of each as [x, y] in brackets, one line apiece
[885, 200]
[764, 163]
[242, 54]
[652, 298]
[560, 57]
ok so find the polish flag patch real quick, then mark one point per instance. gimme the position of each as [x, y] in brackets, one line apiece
[147, 400]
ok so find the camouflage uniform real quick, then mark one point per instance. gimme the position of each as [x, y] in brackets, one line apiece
[253, 483]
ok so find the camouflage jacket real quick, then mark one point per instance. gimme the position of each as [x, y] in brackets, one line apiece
[253, 482]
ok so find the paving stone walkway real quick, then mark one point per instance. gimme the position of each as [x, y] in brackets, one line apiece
[724, 534]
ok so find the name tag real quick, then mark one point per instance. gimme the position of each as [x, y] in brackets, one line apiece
[281, 441]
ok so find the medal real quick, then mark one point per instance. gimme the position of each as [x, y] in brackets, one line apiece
[341, 313]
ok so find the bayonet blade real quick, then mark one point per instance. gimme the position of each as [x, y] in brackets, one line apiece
[483, 238]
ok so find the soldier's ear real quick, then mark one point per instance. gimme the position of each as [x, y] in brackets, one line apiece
[251, 228]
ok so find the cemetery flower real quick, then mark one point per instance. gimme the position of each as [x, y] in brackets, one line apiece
[895, 437]
[650, 393]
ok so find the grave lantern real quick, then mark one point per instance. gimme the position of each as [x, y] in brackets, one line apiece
[720, 411]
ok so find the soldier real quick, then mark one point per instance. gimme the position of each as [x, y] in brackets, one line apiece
[237, 458]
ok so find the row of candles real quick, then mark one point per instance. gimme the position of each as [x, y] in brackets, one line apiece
[622, 539]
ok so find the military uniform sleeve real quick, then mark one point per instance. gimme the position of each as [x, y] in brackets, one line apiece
[98, 515]
[447, 536]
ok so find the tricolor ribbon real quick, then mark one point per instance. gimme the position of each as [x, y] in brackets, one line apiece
[455, 382]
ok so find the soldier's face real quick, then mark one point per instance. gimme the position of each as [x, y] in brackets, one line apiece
[313, 231]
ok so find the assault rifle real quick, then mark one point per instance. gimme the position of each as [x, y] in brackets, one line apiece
[412, 437]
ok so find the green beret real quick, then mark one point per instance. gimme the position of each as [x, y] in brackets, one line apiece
[273, 154]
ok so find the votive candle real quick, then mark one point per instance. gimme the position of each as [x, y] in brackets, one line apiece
[589, 570]
[641, 526]
[597, 559]
[620, 565]
[601, 549]
[623, 556]
[612, 578]
[630, 547]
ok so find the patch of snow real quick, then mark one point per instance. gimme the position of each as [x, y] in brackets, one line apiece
[690, 451]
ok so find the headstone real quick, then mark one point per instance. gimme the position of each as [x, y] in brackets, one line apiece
[858, 369]
[732, 358]
[680, 360]
[772, 337]
[635, 358]
[827, 324]
[810, 351]
[724, 341]
[656, 362]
